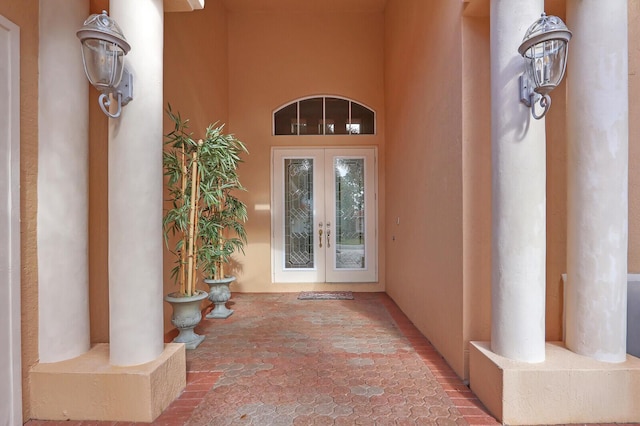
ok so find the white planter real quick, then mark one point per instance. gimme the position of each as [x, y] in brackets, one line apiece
[220, 294]
[186, 315]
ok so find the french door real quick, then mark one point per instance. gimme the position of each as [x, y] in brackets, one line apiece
[324, 215]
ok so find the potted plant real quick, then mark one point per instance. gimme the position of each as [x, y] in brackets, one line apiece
[206, 219]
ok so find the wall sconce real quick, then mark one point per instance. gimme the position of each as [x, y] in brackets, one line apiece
[544, 49]
[103, 51]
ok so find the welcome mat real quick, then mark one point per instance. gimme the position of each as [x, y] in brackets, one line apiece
[325, 295]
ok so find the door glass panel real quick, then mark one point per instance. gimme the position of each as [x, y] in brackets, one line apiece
[298, 220]
[350, 208]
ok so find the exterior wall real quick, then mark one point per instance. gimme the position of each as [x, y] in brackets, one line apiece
[424, 169]
[556, 198]
[276, 56]
[476, 173]
[24, 13]
[98, 209]
[196, 65]
[634, 136]
[98, 219]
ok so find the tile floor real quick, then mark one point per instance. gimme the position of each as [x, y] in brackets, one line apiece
[282, 361]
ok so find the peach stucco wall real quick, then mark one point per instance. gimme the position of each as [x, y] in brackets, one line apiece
[276, 57]
[196, 65]
[423, 74]
[476, 175]
[24, 13]
[98, 210]
[634, 136]
[556, 199]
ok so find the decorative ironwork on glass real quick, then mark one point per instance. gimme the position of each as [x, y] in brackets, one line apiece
[298, 220]
[350, 217]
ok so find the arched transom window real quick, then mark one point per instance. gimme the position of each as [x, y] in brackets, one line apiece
[324, 115]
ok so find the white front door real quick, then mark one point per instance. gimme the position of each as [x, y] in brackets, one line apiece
[10, 365]
[324, 215]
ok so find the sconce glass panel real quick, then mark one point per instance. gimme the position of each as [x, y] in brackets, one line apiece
[547, 64]
[103, 63]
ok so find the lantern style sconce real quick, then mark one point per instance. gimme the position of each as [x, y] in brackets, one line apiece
[103, 51]
[544, 49]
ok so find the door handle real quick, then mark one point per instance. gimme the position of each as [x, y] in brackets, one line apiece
[320, 235]
[328, 238]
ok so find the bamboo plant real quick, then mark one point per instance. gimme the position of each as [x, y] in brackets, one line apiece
[206, 219]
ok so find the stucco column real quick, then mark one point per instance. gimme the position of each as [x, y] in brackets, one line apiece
[597, 212]
[135, 192]
[518, 193]
[63, 117]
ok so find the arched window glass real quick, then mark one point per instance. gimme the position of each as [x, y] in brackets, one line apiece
[324, 115]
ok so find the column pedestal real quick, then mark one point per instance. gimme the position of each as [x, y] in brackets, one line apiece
[566, 388]
[89, 388]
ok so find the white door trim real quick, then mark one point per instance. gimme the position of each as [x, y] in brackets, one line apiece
[10, 347]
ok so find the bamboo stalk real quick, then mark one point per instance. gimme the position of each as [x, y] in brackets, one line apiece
[194, 275]
[192, 213]
[220, 269]
[183, 250]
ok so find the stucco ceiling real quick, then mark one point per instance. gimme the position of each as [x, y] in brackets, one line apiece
[306, 5]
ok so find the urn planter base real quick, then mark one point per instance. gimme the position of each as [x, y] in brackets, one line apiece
[186, 316]
[220, 294]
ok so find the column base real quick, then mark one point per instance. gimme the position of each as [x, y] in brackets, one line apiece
[89, 388]
[565, 388]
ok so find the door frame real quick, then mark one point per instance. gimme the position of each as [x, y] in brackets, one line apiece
[10, 350]
[322, 195]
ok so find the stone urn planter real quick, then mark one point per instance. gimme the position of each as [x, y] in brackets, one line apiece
[220, 294]
[186, 315]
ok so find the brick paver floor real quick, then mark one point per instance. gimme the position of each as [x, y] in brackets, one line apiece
[282, 361]
[286, 361]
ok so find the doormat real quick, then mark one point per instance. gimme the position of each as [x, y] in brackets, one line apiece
[325, 295]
